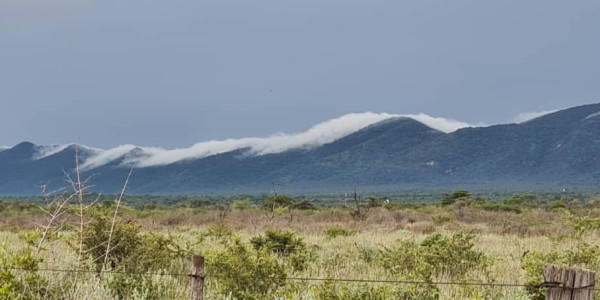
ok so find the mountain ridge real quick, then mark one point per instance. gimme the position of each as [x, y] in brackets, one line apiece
[560, 148]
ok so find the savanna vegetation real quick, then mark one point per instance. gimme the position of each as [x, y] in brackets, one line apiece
[265, 247]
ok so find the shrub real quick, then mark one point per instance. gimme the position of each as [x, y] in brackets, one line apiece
[285, 244]
[583, 224]
[279, 201]
[583, 255]
[16, 284]
[336, 231]
[242, 204]
[441, 219]
[435, 256]
[131, 251]
[280, 242]
[329, 290]
[244, 274]
[449, 199]
[305, 205]
[219, 232]
[557, 205]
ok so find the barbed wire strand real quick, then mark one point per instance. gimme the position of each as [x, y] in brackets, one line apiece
[491, 284]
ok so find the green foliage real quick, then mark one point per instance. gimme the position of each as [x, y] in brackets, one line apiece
[449, 199]
[245, 274]
[583, 255]
[279, 201]
[557, 205]
[374, 201]
[131, 251]
[391, 206]
[280, 242]
[336, 231]
[583, 224]
[436, 256]
[242, 204]
[441, 219]
[20, 278]
[514, 201]
[285, 244]
[305, 205]
[219, 232]
[330, 290]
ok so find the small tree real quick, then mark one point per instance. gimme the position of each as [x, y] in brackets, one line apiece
[456, 196]
[274, 202]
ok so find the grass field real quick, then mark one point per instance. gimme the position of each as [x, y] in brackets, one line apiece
[262, 251]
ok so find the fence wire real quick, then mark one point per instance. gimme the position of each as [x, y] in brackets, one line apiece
[347, 280]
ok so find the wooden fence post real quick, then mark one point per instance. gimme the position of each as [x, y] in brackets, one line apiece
[564, 283]
[197, 277]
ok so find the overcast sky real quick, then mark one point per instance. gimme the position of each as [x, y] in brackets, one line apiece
[173, 73]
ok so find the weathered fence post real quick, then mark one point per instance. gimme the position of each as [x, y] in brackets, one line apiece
[564, 283]
[197, 277]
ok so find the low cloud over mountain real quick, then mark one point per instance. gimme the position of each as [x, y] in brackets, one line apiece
[379, 150]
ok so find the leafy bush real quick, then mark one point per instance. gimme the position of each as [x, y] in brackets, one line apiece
[279, 201]
[18, 284]
[514, 201]
[219, 232]
[336, 231]
[244, 274]
[441, 219]
[583, 224]
[435, 256]
[242, 204]
[280, 242]
[557, 205]
[285, 244]
[305, 205]
[131, 252]
[449, 199]
[329, 290]
[583, 255]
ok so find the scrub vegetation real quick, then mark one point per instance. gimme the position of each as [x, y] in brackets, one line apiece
[85, 246]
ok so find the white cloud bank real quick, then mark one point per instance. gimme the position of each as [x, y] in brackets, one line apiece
[528, 116]
[315, 136]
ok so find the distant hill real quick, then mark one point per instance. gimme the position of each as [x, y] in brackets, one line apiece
[561, 149]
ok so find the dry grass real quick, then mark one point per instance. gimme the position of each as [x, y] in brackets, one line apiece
[503, 236]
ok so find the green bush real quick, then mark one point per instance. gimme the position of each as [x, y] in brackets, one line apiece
[514, 201]
[218, 232]
[449, 199]
[242, 204]
[336, 231]
[582, 225]
[286, 245]
[244, 274]
[557, 205]
[330, 290]
[436, 256]
[280, 242]
[441, 219]
[19, 284]
[131, 251]
[584, 255]
[305, 205]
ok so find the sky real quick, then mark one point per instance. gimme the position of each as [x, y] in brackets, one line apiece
[174, 73]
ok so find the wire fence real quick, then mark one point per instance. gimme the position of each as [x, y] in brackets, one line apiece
[508, 288]
[329, 279]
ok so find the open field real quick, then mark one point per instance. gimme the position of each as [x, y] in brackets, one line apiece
[270, 250]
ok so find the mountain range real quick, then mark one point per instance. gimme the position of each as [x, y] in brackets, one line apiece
[376, 151]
